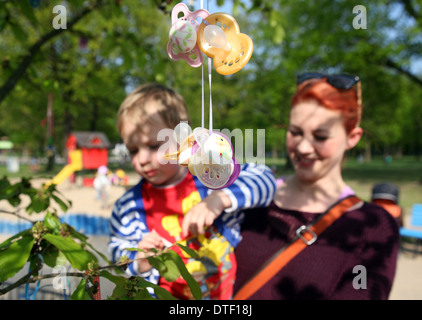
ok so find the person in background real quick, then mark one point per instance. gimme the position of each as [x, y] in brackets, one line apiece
[355, 257]
[170, 205]
[386, 195]
[102, 185]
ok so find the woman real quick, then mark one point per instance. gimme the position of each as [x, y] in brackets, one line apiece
[355, 257]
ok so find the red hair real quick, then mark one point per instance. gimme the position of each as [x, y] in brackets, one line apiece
[346, 101]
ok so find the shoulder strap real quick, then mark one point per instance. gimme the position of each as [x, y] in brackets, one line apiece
[305, 236]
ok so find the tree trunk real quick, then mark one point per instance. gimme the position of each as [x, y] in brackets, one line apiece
[367, 156]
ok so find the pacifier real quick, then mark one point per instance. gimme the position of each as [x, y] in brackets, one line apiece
[207, 156]
[185, 139]
[212, 159]
[183, 34]
[219, 38]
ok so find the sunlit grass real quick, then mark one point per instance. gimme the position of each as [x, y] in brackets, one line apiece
[406, 173]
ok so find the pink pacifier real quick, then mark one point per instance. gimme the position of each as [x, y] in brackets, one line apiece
[183, 34]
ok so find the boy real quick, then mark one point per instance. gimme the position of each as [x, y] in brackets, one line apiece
[169, 204]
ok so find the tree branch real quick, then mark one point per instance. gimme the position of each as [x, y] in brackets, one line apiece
[30, 278]
[15, 213]
[410, 9]
[19, 72]
[391, 64]
[18, 283]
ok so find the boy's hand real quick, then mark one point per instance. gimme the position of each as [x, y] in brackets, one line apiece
[204, 213]
[151, 240]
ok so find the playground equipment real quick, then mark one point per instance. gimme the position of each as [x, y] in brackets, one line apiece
[74, 165]
[86, 151]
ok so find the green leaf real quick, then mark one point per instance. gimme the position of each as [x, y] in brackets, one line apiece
[52, 223]
[188, 250]
[76, 234]
[128, 288]
[157, 264]
[117, 280]
[163, 293]
[103, 256]
[171, 271]
[159, 291]
[38, 204]
[53, 257]
[143, 294]
[83, 238]
[80, 292]
[120, 282]
[78, 257]
[193, 285]
[60, 202]
[6, 244]
[10, 192]
[15, 256]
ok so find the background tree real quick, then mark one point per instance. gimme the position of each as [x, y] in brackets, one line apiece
[110, 47]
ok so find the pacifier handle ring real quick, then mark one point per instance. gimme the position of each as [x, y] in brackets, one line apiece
[181, 8]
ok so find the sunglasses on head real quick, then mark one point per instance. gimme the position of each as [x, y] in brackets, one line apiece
[339, 81]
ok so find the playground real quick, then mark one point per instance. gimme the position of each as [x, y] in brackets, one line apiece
[236, 64]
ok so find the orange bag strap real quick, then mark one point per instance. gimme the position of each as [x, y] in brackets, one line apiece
[296, 245]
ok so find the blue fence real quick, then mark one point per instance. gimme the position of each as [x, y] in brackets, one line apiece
[87, 224]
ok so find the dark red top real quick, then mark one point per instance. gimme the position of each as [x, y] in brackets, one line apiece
[366, 238]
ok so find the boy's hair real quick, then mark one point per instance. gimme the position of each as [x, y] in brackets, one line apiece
[167, 103]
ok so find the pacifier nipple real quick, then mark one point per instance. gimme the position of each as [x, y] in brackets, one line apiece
[216, 37]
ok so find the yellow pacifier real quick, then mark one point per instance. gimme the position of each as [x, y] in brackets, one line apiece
[219, 38]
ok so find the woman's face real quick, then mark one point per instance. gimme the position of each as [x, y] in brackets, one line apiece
[316, 141]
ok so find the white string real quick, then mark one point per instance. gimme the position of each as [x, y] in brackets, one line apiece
[203, 85]
[203, 102]
[209, 79]
[203, 94]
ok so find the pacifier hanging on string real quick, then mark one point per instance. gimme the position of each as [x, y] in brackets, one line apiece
[208, 156]
[183, 34]
[212, 159]
[219, 38]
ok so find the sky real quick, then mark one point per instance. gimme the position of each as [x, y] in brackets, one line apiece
[211, 5]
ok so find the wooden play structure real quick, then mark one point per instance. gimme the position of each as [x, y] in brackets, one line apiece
[86, 150]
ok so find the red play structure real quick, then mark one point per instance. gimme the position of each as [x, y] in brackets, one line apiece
[94, 147]
[86, 150]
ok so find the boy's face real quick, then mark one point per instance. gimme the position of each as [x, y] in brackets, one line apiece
[146, 154]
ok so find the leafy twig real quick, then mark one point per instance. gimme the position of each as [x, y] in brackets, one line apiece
[15, 213]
